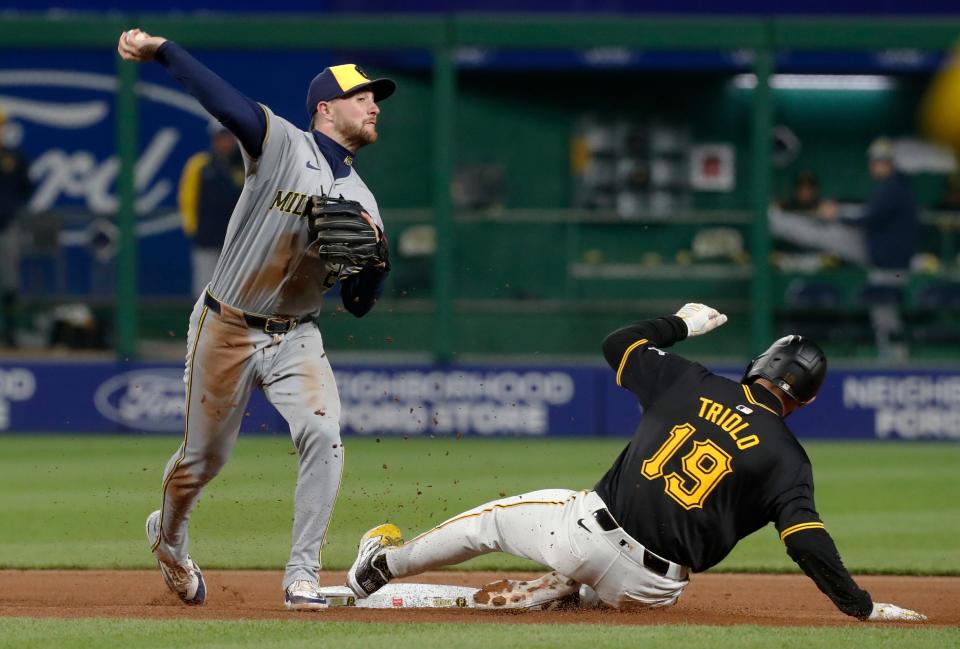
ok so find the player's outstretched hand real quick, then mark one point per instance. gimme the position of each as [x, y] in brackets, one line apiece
[137, 45]
[893, 613]
[700, 318]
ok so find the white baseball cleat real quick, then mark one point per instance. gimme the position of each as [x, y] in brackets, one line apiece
[304, 595]
[184, 580]
[893, 613]
[369, 573]
[550, 591]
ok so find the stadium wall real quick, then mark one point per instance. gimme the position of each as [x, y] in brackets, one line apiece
[477, 400]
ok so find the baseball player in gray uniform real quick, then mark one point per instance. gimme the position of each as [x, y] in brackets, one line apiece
[254, 325]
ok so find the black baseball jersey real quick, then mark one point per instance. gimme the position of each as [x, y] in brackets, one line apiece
[710, 463]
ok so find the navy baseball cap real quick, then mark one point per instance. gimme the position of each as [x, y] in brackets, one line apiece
[342, 80]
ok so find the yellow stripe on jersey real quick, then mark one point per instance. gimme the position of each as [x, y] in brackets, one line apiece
[623, 361]
[799, 527]
[188, 192]
[753, 400]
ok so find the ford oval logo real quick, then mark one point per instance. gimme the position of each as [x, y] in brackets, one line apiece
[68, 114]
[150, 400]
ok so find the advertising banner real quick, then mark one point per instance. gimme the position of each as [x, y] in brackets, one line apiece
[398, 400]
[884, 405]
[475, 400]
[527, 401]
[104, 397]
[61, 105]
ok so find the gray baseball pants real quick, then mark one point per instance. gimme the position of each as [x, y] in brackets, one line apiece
[226, 359]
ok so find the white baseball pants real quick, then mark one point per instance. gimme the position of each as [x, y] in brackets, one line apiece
[554, 527]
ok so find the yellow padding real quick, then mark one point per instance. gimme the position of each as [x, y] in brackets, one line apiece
[938, 108]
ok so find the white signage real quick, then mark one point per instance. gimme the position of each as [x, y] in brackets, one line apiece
[445, 402]
[916, 406]
[16, 384]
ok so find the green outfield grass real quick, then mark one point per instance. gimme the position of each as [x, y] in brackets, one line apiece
[147, 634]
[80, 502]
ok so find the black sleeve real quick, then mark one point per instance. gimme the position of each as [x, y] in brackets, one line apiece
[240, 114]
[645, 371]
[816, 554]
[789, 487]
[361, 291]
[795, 515]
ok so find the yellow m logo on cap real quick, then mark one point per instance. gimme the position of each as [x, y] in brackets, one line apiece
[348, 76]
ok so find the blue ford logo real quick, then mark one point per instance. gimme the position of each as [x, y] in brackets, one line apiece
[149, 400]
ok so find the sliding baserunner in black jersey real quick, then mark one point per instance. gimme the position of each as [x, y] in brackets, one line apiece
[711, 462]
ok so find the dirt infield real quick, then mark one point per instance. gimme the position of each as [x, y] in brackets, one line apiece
[769, 600]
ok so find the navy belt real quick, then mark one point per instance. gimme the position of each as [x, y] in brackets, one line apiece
[274, 324]
[608, 523]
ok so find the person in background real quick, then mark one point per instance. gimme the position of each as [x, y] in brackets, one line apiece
[805, 195]
[884, 231]
[880, 236]
[15, 191]
[209, 188]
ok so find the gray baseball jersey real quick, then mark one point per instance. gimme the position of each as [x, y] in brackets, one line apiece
[264, 267]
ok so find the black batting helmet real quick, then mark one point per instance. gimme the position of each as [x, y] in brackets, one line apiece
[794, 364]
